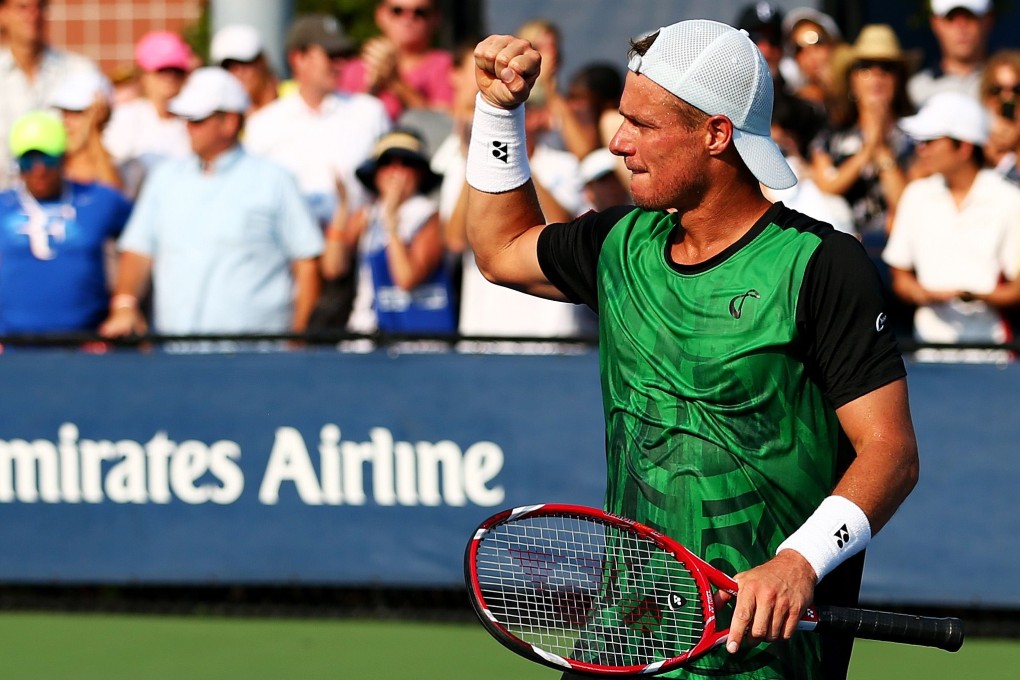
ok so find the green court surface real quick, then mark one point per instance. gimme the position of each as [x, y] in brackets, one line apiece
[111, 647]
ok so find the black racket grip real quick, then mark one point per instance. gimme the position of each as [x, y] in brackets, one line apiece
[946, 633]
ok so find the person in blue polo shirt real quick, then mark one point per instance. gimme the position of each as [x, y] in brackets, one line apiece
[229, 242]
[53, 233]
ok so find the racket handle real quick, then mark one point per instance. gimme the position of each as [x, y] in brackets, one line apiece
[946, 633]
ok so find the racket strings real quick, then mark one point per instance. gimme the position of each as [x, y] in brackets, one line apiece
[588, 591]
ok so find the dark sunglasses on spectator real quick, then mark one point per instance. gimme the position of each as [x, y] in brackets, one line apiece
[765, 37]
[869, 64]
[418, 12]
[27, 161]
[403, 161]
[996, 90]
[172, 71]
[234, 63]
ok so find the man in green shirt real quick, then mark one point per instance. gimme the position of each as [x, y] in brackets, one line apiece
[755, 402]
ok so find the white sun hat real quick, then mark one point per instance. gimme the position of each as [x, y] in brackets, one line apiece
[717, 69]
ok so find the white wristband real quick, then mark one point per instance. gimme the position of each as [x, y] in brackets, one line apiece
[497, 158]
[836, 531]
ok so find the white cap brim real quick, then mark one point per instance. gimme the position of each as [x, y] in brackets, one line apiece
[208, 90]
[763, 158]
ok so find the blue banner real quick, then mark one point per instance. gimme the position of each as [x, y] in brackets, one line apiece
[311, 467]
[323, 468]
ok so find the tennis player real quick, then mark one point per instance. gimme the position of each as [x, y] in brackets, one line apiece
[755, 400]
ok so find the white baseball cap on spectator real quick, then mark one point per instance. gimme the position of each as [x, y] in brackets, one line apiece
[207, 91]
[78, 91]
[976, 7]
[236, 42]
[597, 165]
[717, 69]
[949, 114]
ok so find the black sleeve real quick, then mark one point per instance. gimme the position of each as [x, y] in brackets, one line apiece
[850, 348]
[568, 253]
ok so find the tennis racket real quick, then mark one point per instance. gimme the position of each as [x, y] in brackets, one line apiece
[580, 589]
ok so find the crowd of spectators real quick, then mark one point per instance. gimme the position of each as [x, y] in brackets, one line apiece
[225, 199]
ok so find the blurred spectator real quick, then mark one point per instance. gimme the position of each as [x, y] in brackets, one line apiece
[1000, 90]
[126, 84]
[603, 187]
[556, 174]
[84, 104]
[142, 131]
[811, 38]
[403, 282]
[793, 124]
[588, 116]
[321, 137]
[239, 49]
[401, 67]
[30, 70]
[570, 132]
[862, 155]
[763, 22]
[490, 310]
[449, 159]
[53, 235]
[225, 233]
[954, 249]
[961, 28]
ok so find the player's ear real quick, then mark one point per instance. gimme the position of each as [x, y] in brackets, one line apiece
[719, 134]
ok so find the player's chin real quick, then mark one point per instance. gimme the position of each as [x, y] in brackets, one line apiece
[648, 200]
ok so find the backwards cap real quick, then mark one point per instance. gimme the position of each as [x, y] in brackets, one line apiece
[717, 69]
[38, 131]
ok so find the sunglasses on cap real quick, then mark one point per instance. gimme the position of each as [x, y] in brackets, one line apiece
[29, 160]
[416, 12]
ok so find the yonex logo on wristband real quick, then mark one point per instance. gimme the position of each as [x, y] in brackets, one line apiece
[500, 151]
[842, 536]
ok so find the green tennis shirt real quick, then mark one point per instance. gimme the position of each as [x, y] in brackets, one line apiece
[720, 383]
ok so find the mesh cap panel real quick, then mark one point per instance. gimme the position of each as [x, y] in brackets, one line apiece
[717, 69]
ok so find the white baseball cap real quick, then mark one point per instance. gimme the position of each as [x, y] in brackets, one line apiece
[598, 164]
[717, 69]
[208, 90]
[238, 42]
[943, 7]
[79, 90]
[948, 114]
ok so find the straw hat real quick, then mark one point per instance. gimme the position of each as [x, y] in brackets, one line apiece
[404, 144]
[876, 42]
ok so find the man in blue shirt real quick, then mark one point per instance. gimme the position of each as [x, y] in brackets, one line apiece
[53, 234]
[227, 238]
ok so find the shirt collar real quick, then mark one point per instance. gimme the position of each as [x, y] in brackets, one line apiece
[224, 162]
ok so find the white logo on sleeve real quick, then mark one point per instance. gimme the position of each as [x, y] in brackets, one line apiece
[880, 322]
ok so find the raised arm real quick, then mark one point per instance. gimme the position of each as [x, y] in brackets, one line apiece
[504, 218]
